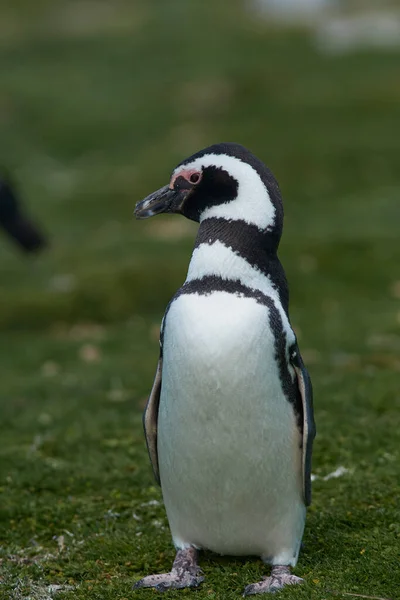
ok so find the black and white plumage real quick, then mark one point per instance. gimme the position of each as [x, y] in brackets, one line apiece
[229, 422]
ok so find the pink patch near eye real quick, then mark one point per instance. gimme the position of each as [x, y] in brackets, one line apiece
[193, 176]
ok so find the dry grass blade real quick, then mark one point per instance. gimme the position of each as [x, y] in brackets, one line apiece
[359, 596]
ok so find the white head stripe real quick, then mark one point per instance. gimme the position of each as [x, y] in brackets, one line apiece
[252, 203]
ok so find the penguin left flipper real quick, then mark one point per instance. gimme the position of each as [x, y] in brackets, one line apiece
[150, 419]
[306, 393]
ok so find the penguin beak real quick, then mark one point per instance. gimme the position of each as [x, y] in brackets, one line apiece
[164, 200]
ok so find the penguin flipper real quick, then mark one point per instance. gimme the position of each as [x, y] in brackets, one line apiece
[306, 393]
[150, 420]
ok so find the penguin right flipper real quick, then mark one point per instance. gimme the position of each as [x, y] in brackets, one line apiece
[150, 419]
[306, 393]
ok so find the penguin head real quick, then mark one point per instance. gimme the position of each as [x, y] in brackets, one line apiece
[225, 181]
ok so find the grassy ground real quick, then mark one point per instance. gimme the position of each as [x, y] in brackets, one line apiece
[98, 101]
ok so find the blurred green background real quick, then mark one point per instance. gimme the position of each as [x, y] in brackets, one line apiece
[98, 102]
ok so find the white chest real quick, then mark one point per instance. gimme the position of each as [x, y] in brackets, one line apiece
[228, 444]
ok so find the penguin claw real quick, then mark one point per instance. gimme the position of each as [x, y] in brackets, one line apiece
[272, 584]
[169, 581]
[185, 573]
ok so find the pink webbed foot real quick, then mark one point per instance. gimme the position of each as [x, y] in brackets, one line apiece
[185, 572]
[280, 576]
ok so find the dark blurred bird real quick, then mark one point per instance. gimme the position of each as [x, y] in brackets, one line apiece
[15, 222]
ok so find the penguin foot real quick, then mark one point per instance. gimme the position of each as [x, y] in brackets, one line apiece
[185, 572]
[280, 576]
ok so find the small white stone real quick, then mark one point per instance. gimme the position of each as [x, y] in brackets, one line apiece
[339, 472]
[151, 503]
[63, 283]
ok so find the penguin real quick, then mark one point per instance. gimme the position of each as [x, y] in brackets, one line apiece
[229, 422]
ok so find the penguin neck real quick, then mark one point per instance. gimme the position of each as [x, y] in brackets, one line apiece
[237, 251]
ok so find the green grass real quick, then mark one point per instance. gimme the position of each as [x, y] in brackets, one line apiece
[97, 105]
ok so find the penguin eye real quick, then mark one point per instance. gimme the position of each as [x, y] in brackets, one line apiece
[194, 178]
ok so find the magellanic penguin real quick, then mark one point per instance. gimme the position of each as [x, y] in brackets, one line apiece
[229, 423]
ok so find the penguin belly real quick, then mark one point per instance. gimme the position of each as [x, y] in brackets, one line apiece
[228, 445]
